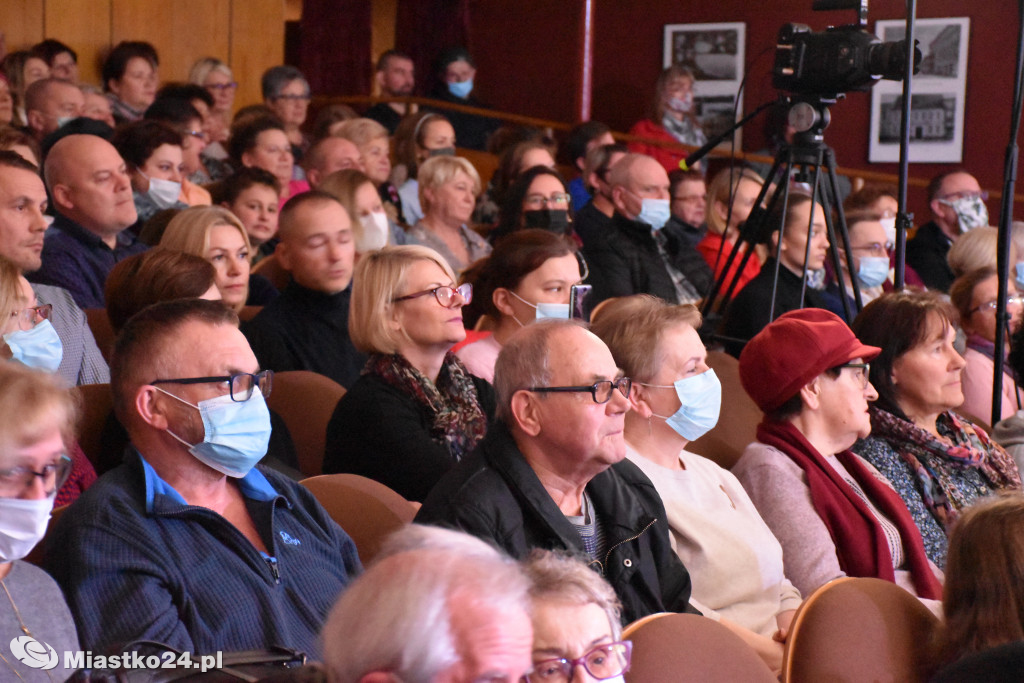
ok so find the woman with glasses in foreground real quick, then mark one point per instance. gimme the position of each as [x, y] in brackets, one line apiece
[832, 513]
[37, 419]
[938, 461]
[416, 410]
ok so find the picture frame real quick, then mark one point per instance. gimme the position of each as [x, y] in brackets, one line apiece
[938, 94]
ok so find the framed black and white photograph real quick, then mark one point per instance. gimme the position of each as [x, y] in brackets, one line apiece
[715, 54]
[938, 95]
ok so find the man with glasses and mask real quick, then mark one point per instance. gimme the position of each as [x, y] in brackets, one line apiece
[551, 472]
[958, 205]
[871, 249]
[187, 543]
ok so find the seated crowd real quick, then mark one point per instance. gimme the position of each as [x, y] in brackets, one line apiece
[559, 495]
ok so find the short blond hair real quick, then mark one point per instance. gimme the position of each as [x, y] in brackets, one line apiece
[975, 250]
[437, 171]
[361, 132]
[32, 403]
[379, 278]
[189, 231]
[632, 327]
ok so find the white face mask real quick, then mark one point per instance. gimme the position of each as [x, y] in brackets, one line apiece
[889, 225]
[164, 193]
[22, 525]
[375, 232]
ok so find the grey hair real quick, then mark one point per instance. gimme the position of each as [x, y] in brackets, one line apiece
[276, 78]
[424, 537]
[559, 577]
[524, 362]
[397, 617]
[621, 174]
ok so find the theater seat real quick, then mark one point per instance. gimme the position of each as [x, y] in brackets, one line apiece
[306, 401]
[272, 270]
[738, 420]
[367, 510]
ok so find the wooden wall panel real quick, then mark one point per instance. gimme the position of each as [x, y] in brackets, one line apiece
[385, 13]
[257, 30]
[85, 26]
[21, 22]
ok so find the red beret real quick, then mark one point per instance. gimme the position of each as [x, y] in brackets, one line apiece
[794, 349]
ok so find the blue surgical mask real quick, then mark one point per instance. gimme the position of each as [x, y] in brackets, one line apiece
[544, 310]
[873, 270]
[235, 433]
[1020, 274]
[700, 397]
[654, 212]
[38, 348]
[461, 89]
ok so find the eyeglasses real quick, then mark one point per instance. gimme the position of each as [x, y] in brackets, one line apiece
[198, 134]
[539, 201]
[221, 87]
[954, 196]
[876, 248]
[601, 391]
[240, 385]
[1012, 300]
[603, 662]
[862, 371]
[444, 294]
[293, 98]
[17, 480]
[30, 317]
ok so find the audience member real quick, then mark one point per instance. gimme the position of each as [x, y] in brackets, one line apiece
[190, 497]
[252, 194]
[673, 120]
[527, 277]
[262, 142]
[329, 119]
[395, 77]
[156, 275]
[415, 411]
[419, 137]
[62, 60]
[25, 146]
[446, 607]
[22, 225]
[537, 199]
[594, 219]
[22, 68]
[371, 227]
[306, 328]
[975, 250]
[6, 102]
[640, 254]
[975, 296]
[130, 78]
[551, 473]
[49, 104]
[781, 285]
[832, 513]
[448, 190]
[730, 199]
[688, 202]
[152, 152]
[375, 152]
[214, 75]
[583, 138]
[870, 250]
[91, 191]
[879, 200]
[286, 93]
[456, 72]
[575, 622]
[515, 160]
[216, 234]
[982, 637]
[1009, 433]
[957, 203]
[936, 460]
[328, 155]
[96, 105]
[187, 121]
[37, 421]
[735, 562]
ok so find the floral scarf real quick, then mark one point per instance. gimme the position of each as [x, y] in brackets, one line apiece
[459, 421]
[934, 461]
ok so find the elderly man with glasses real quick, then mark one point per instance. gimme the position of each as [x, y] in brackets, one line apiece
[188, 543]
[551, 472]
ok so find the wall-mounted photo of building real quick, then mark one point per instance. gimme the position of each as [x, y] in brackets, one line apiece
[932, 118]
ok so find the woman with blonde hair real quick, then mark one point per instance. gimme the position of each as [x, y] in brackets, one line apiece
[448, 190]
[673, 118]
[976, 249]
[730, 198]
[214, 75]
[416, 411]
[216, 234]
[357, 193]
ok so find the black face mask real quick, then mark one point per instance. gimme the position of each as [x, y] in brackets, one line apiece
[553, 220]
[441, 152]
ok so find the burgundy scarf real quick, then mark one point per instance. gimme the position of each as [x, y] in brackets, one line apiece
[860, 543]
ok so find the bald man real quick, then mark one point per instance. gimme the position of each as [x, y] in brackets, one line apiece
[92, 197]
[329, 155]
[50, 103]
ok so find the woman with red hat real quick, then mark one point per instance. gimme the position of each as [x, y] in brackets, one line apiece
[831, 511]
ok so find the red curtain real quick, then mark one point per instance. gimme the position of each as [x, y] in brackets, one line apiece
[334, 45]
[425, 28]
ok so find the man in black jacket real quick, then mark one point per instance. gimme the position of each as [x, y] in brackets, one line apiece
[552, 473]
[640, 254]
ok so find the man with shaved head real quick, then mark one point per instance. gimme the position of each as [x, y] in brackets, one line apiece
[329, 155]
[92, 194]
[50, 103]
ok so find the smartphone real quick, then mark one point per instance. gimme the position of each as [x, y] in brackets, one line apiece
[577, 293]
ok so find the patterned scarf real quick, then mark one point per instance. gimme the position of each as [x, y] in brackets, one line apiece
[686, 131]
[459, 421]
[934, 460]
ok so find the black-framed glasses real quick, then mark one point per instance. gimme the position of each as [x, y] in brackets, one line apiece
[600, 391]
[16, 480]
[539, 201]
[862, 372]
[32, 316]
[240, 384]
[445, 294]
[603, 662]
[1012, 300]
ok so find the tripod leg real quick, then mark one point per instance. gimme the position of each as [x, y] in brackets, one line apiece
[844, 233]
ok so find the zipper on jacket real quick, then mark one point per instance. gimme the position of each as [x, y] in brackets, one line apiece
[627, 540]
[275, 572]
